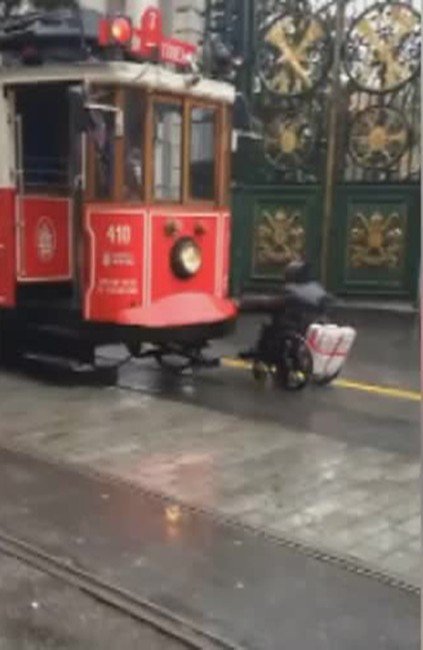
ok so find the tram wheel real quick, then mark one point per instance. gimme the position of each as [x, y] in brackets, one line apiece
[174, 364]
[294, 370]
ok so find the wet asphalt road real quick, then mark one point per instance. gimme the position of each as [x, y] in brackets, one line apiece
[344, 415]
[386, 350]
[386, 353]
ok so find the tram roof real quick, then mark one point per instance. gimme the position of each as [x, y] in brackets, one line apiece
[144, 75]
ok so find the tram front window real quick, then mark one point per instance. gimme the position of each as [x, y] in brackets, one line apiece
[167, 151]
[133, 177]
[202, 153]
[103, 127]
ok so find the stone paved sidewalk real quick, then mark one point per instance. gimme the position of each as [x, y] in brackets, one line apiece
[354, 500]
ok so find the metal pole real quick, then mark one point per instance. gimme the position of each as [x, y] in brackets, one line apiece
[168, 10]
[332, 141]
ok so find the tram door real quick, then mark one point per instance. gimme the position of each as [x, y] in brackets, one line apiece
[77, 171]
[7, 204]
[44, 205]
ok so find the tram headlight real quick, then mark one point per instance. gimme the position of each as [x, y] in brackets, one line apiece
[186, 258]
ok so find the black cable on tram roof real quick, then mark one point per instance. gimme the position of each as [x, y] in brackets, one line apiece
[65, 33]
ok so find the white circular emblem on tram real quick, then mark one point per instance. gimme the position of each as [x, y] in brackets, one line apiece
[46, 240]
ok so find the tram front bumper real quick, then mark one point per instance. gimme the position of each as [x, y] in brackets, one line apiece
[180, 310]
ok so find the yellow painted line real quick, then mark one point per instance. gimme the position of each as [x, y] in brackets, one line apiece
[228, 362]
[385, 391]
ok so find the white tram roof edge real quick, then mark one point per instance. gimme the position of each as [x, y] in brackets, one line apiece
[144, 75]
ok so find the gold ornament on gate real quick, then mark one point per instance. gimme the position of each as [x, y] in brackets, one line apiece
[289, 139]
[379, 137]
[376, 241]
[382, 50]
[280, 238]
[293, 54]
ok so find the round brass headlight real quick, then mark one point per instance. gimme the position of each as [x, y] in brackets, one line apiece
[186, 258]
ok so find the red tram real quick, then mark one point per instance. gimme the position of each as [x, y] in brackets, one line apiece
[114, 208]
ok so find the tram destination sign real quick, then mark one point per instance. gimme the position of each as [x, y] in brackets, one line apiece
[147, 40]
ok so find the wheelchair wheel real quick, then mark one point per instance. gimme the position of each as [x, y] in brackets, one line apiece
[260, 372]
[294, 370]
[325, 381]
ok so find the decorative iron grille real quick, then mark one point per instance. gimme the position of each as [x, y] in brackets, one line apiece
[290, 45]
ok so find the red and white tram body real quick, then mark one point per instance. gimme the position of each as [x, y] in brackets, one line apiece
[115, 220]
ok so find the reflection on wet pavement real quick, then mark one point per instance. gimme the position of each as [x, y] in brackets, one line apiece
[334, 472]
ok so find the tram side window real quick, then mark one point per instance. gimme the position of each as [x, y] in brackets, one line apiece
[103, 132]
[202, 153]
[133, 177]
[167, 151]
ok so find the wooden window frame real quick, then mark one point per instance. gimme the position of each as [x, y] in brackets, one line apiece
[214, 106]
[119, 170]
[221, 188]
[117, 195]
[144, 101]
[91, 189]
[222, 151]
[174, 100]
[226, 155]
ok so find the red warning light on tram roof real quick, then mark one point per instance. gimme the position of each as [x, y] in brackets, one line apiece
[114, 31]
[120, 31]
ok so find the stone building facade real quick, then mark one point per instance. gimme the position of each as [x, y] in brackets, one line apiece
[183, 19]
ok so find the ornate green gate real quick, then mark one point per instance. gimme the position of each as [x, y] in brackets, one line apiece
[334, 93]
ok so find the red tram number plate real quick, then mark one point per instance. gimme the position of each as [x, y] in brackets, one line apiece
[115, 263]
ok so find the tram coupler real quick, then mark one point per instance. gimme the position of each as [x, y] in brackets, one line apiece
[210, 363]
[176, 358]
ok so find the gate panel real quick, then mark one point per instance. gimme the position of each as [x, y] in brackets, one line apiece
[375, 246]
[273, 227]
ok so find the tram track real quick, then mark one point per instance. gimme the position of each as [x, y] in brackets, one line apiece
[348, 564]
[161, 619]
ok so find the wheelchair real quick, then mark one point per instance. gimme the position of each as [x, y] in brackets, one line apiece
[281, 350]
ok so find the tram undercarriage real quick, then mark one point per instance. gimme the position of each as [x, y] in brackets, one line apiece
[67, 340]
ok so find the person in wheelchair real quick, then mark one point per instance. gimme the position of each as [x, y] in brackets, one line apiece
[298, 293]
[281, 348]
